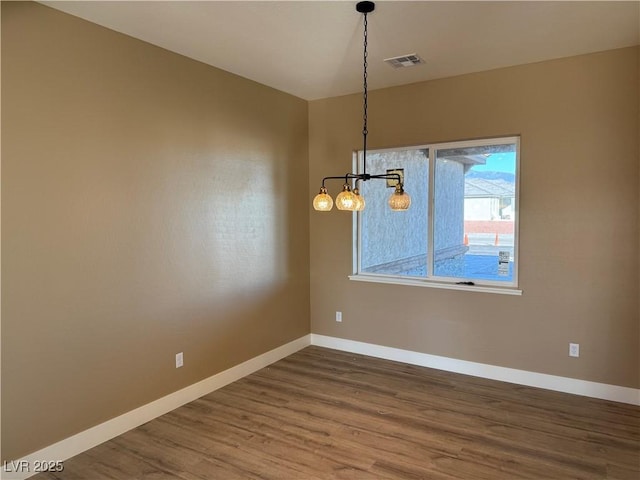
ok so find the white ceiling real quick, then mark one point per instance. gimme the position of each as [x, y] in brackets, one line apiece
[313, 49]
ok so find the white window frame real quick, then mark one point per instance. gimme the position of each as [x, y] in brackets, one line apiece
[486, 286]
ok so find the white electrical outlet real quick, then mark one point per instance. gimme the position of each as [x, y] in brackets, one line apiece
[338, 316]
[179, 360]
[574, 349]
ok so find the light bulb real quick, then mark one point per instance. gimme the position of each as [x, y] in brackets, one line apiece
[346, 199]
[323, 201]
[359, 200]
[399, 200]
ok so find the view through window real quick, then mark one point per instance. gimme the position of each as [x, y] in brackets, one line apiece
[461, 226]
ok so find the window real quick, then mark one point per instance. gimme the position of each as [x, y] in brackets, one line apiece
[462, 223]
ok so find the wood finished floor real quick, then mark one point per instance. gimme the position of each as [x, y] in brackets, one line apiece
[324, 414]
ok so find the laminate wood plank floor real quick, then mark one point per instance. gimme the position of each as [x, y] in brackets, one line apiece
[325, 414]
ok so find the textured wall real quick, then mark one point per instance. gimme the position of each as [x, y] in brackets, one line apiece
[388, 235]
[448, 206]
[146, 210]
[579, 202]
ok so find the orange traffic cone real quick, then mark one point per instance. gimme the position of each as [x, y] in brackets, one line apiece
[496, 243]
[466, 239]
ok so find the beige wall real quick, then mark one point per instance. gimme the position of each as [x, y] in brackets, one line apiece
[578, 121]
[147, 209]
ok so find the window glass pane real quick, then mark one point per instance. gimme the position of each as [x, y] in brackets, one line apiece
[395, 242]
[474, 212]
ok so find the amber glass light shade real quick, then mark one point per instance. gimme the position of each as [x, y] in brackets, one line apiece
[360, 203]
[323, 201]
[399, 200]
[346, 200]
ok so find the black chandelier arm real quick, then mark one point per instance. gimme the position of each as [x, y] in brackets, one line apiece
[345, 178]
[388, 176]
[364, 177]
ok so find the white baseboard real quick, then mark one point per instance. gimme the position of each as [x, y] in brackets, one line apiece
[511, 375]
[94, 436]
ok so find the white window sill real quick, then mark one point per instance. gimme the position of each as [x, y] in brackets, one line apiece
[432, 284]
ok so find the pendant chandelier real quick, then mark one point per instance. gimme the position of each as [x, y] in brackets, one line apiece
[348, 199]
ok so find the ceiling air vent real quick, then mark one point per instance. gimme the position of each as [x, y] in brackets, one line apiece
[404, 61]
